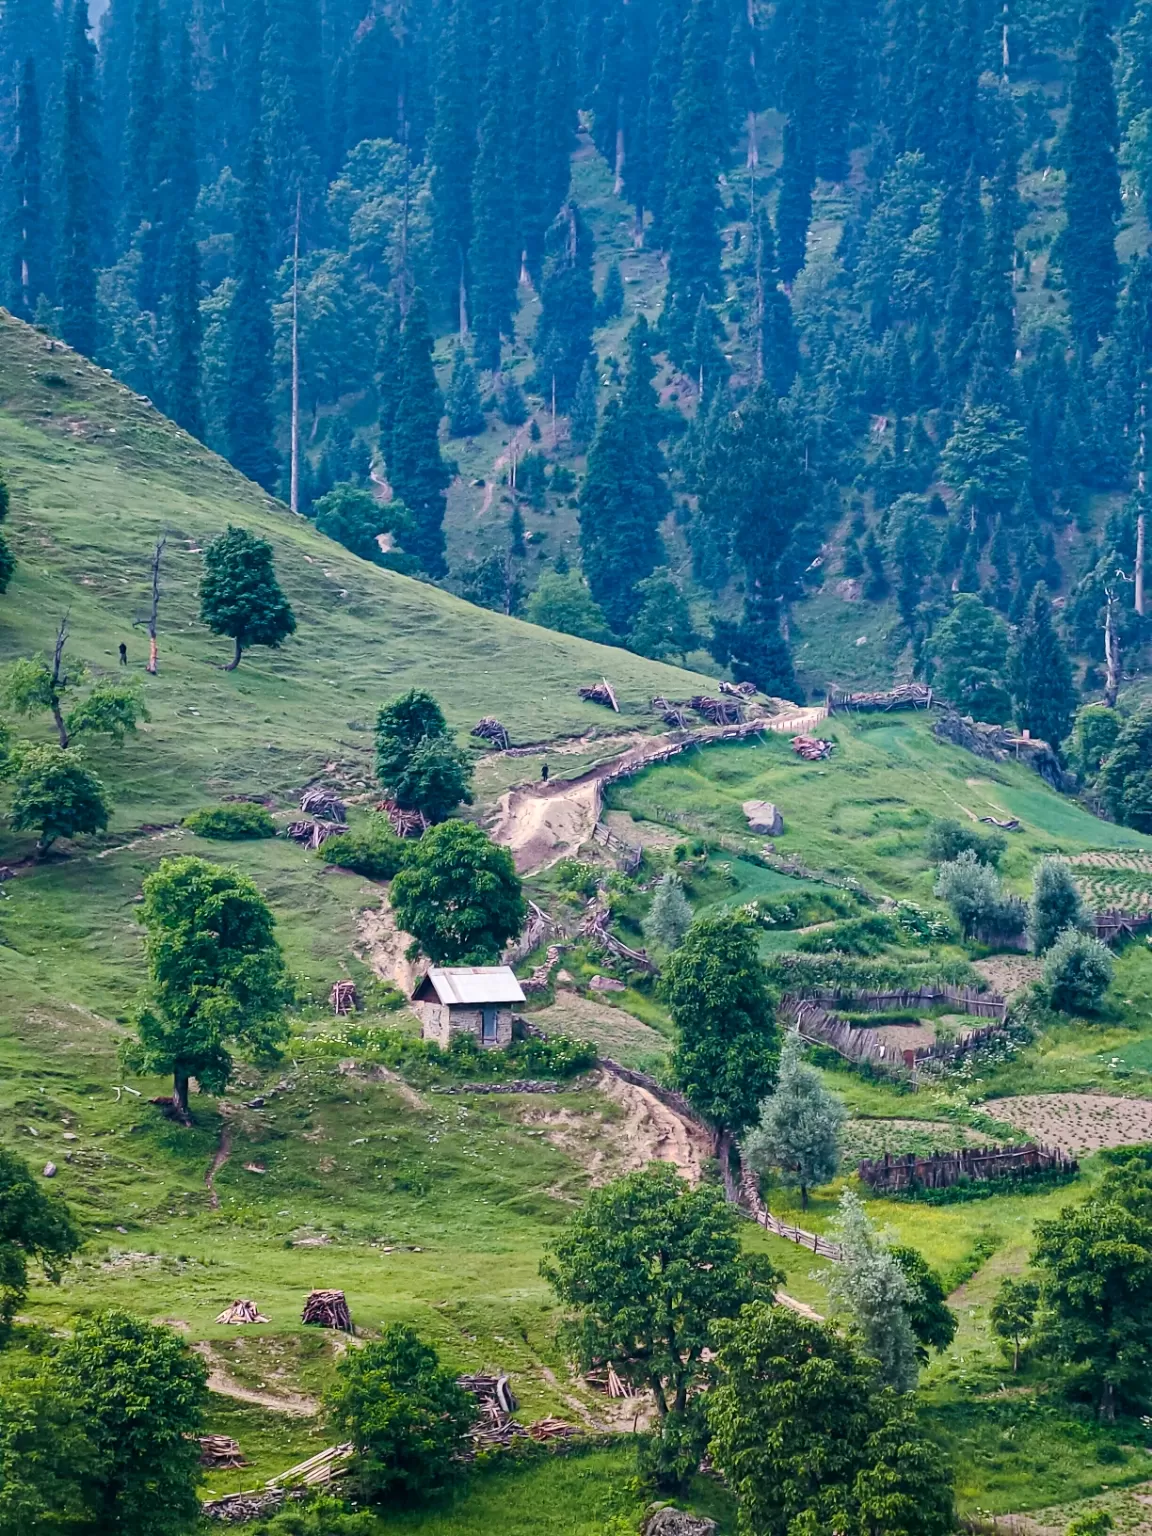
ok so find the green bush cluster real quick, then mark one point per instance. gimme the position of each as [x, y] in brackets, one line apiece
[864, 936]
[373, 851]
[946, 840]
[577, 878]
[235, 823]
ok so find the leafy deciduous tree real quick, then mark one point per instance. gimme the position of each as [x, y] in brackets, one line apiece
[799, 1127]
[34, 1225]
[1055, 904]
[55, 796]
[459, 896]
[240, 596]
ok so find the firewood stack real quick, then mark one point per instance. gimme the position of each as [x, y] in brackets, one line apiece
[671, 711]
[491, 730]
[323, 804]
[404, 823]
[716, 711]
[220, 1451]
[242, 1311]
[812, 748]
[314, 834]
[343, 998]
[608, 1381]
[600, 693]
[328, 1309]
[739, 690]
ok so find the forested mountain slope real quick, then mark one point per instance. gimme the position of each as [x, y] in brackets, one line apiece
[778, 325]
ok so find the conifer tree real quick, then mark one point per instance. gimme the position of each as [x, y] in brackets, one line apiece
[249, 419]
[779, 353]
[29, 269]
[568, 308]
[494, 256]
[177, 181]
[418, 474]
[640, 399]
[610, 305]
[553, 127]
[1088, 153]
[452, 156]
[76, 274]
[798, 171]
[584, 416]
[695, 159]
[145, 105]
[182, 337]
[29, 29]
[465, 418]
[1041, 674]
[622, 504]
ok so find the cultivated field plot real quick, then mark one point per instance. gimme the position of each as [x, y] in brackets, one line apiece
[1115, 878]
[873, 1138]
[1078, 1122]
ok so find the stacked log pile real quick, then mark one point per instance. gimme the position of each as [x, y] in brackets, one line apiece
[739, 690]
[317, 1470]
[813, 749]
[595, 927]
[404, 823]
[535, 931]
[323, 804]
[909, 696]
[220, 1451]
[242, 1311]
[490, 729]
[328, 1309]
[716, 711]
[342, 998]
[314, 834]
[600, 693]
[895, 1175]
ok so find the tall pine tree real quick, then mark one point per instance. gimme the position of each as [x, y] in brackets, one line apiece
[1088, 154]
[76, 268]
[250, 424]
[568, 308]
[29, 264]
[452, 156]
[494, 256]
[1041, 674]
[417, 472]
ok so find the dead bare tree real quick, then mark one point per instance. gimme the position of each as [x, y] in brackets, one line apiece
[153, 612]
[294, 451]
[59, 681]
[1112, 664]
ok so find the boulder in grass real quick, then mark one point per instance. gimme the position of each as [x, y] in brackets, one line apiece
[763, 817]
[606, 984]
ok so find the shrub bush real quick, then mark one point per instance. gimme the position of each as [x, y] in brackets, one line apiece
[946, 840]
[234, 823]
[973, 891]
[856, 936]
[1055, 904]
[373, 851]
[1077, 972]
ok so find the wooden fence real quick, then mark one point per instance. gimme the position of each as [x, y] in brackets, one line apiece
[747, 1196]
[891, 1175]
[627, 857]
[816, 1025]
[910, 696]
[981, 1005]
[1116, 924]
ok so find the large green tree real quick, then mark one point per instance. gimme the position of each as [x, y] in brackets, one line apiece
[35, 1227]
[1092, 206]
[798, 1131]
[140, 1395]
[55, 795]
[726, 1053]
[970, 649]
[1125, 781]
[646, 1267]
[404, 1414]
[459, 896]
[809, 1441]
[28, 240]
[216, 976]
[568, 306]
[417, 763]
[240, 596]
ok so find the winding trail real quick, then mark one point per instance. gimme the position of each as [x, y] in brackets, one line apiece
[296, 1404]
[219, 1158]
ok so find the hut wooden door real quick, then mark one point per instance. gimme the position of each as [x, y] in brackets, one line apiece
[488, 1030]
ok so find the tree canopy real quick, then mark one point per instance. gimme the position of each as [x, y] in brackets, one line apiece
[459, 895]
[240, 596]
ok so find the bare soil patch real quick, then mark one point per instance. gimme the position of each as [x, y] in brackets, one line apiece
[1077, 1122]
[1009, 973]
[219, 1380]
[541, 823]
[383, 947]
[606, 1146]
[908, 1037]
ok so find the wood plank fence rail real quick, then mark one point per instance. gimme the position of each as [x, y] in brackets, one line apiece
[892, 1174]
[981, 1005]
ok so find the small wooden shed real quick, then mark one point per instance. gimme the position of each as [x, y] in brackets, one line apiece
[472, 1000]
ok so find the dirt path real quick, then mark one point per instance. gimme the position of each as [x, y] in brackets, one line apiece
[801, 1308]
[383, 946]
[292, 1403]
[521, 436]
[219, 1158]
[651, 1132]
[540, 823]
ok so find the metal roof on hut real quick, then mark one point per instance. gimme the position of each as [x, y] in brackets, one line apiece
[469, 985]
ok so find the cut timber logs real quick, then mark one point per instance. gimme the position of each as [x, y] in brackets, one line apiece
[238, 1508]
[318, 1469]
[242, 1311]
[1010, 825]
[491, 730]
[328, 1309]
[324, 804]
[220, 1451]
[314, 834]
[551, 1429]
[812, 748]
[343, 998]
[739, 690]
[609, 1382]
[600, 693]
[404, 823]
[909, 696]
[490, 1389]
[717, 711]
[595, 927]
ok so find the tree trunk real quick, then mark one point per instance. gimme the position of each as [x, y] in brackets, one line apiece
[43, 844]
[235, 662]
[1140, 521]
[1108, 1403]
[803, 1197]
[1111, 652]
[1015, 1356]
[61, 728]
[180, 1095]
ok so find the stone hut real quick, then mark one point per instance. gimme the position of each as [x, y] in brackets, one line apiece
[475, 1000]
